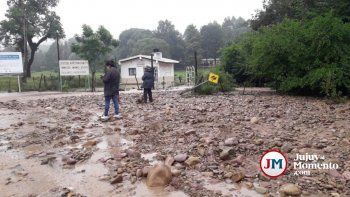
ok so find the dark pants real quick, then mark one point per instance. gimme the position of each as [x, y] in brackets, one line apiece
[148, 92]
[107, 103]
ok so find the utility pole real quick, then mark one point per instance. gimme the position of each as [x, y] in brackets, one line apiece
[25, 50]
[195, 67]
[152, 68]
[58, 61]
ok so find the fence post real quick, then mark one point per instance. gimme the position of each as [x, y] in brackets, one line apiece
[19, 84]
[41, 77]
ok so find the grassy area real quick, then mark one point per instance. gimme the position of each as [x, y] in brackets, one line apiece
[46, 81]
[182, 74]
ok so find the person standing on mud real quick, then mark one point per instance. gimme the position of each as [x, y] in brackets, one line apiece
[111, 89]
[148, 83]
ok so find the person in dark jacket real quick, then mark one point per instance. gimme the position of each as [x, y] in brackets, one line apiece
[111, 89]
[148, 83]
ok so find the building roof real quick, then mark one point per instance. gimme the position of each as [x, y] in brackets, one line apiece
[165, 60]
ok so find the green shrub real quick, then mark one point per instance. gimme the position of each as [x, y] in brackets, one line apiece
[225, 82]
[299, 57]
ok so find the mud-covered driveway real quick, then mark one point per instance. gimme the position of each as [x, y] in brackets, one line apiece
[54, 145]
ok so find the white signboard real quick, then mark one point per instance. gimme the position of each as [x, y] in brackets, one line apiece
[74, 67]
[11, 63]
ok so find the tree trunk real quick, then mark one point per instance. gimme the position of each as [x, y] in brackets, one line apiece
[30, 62]
[93, 81]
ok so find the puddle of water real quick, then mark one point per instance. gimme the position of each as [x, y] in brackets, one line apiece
[150, 157]
[226, 188]
[103, 145]
[231, 189]
[142, 190]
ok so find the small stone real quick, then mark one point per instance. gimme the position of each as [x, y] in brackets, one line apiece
[230, 142]
[237, 176]
[139, 173]
[89, 144]
[191, 161]
[346, 175]
[120, 171]
[286, 148]
[169, 161]
[71, 161]
[117, 179]
[254, 120]
[159, 176]
[181, 157]
[190, 132]
[335, 194]
[238, 160]
[179, 166]
[225, 154]
[175, 172]
[145, 170]
[104, 178]
[133, 153]
[290, 189]
[228, 175]
[261, 190]
[249, 185]
[258, 142]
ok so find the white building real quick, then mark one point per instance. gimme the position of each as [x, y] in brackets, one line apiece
[132, 70]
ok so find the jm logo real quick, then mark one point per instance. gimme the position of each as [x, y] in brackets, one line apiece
[273, 163]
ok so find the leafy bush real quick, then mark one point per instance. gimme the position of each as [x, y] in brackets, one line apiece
[300, 57]
[225, 82]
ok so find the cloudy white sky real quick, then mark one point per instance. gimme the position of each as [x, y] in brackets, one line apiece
[119, 15]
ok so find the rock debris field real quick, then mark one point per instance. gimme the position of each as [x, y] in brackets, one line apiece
[188, 145]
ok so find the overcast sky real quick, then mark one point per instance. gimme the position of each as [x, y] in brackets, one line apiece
[119, 15]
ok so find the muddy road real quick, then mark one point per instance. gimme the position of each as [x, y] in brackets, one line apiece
[55, 145]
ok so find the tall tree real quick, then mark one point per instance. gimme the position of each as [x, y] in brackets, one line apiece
[166, 31]
[274, 11]
[128, 39]
[211, 40]
[233, 28]
[146, 45]
[192, 39]
[32, 21]
[94, 46]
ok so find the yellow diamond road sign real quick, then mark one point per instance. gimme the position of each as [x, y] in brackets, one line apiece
[214, 78]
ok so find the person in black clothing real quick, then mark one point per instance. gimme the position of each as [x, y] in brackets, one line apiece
[111, 89]
[148, 83]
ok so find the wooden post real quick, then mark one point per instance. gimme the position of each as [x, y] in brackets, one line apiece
[195, 67]
[9, 90]
[41, 77]
[137, 83]
[19, 84]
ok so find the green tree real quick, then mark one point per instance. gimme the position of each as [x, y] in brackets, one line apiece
[128, 39]
[192, 39]
[309, 57]
[94, 46]
[144, 46]
[33, 21]
[211, 40]
[233, 28]
[166, 31]
[274, 11]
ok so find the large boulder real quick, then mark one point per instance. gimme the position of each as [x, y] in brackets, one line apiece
[159, 176]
